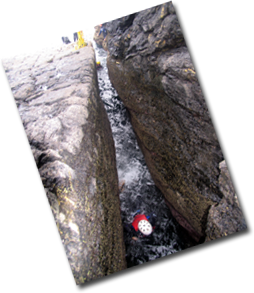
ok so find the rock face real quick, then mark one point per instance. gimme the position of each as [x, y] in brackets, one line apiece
[150, 67]
[57, 96]
[226, 217]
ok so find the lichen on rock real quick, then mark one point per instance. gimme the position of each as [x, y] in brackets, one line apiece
[56, 92]
[150, 67]
[226, 217]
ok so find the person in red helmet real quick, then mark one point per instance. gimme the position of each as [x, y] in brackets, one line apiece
[141, 225]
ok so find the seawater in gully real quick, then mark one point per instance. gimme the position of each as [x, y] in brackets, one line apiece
[140, 192]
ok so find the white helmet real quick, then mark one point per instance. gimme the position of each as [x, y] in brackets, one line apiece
[145, 227]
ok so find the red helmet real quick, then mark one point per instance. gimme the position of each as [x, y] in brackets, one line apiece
[145, 227]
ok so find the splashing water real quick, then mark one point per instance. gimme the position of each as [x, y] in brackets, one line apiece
[140, 192]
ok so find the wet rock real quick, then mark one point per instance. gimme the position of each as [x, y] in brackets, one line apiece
[114, 28]
[57, 96]
[150, 67]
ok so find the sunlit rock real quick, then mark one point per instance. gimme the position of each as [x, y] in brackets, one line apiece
[57, 96]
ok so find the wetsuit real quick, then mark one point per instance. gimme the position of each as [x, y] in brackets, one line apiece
[98, 66]
[75, 37]
[104, 31]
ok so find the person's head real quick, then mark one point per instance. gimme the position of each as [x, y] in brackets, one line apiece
[145, 227]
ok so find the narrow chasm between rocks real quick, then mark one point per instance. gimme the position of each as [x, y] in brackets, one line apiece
[139, 192]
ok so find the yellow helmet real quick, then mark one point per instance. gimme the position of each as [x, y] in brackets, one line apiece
[98, 63]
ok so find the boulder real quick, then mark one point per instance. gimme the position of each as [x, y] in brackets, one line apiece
[57, 96]
[150, 67]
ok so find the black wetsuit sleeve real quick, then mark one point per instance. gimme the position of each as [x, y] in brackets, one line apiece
[127, 228]
[152, 220]
[130, 230]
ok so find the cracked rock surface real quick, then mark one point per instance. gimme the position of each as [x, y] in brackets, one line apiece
[226, 217]
[57, 96]
[150, 67]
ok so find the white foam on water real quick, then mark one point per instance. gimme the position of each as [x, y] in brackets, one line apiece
[130, 173]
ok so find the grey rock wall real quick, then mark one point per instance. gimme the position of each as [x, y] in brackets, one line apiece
[57, 96]
[226, 217]
[151, 69]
